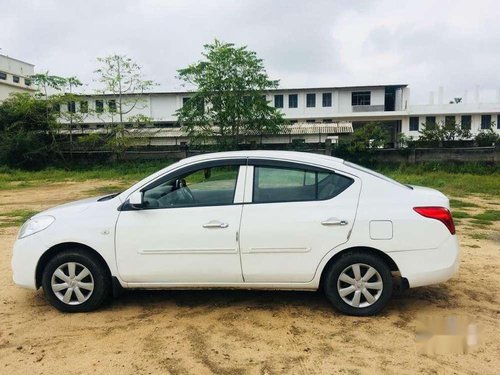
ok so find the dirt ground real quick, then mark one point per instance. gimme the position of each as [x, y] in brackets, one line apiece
[240, 332]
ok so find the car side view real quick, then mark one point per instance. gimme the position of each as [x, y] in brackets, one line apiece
[245, 219]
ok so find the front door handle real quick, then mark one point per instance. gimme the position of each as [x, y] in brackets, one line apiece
[334, 221]
[215, 224]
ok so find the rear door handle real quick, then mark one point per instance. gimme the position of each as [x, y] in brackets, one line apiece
[334, 221]
[215, 224]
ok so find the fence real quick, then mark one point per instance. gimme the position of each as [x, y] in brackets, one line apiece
[421, 155]
[410, 156]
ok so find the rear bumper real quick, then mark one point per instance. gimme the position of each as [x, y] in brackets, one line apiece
[426, 267]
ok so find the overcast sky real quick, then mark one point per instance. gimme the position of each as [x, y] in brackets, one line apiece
[427, 44]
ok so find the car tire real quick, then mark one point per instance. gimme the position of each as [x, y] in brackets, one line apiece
[76, 281]
[358, 284]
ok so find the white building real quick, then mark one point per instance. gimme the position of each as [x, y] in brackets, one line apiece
[315, 113]
[319, 112]
[14, 76]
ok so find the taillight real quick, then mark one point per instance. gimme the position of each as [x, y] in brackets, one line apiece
[439, 213]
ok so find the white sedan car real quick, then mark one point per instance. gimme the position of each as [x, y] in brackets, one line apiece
[252, 220]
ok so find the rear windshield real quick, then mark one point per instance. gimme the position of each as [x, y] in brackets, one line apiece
[376, 174]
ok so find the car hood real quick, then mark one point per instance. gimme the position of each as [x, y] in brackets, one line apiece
[72, 207]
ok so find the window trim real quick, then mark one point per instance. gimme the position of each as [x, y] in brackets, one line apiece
[468, 123]
[323, 96]
[282, 97]
[186, 170]
[410, 124]
[484, 125]
[281, 164]
[313, 102]
[360, 93]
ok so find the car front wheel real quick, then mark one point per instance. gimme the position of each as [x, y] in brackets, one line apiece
[358, 284]
[75, 281]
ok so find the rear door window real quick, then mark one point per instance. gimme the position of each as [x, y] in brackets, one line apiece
[282, 184]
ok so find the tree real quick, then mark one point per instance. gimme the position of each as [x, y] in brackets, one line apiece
[26, 133]
[370, 136]
[45, 82]
[124, 85]
[487, 137]
[229, 101]
[439, 134]
[362, 143]
[71, 116]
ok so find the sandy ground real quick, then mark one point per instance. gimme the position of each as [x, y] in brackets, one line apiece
[240, 332]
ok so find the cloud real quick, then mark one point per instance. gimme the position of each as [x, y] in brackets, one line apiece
[303, 43]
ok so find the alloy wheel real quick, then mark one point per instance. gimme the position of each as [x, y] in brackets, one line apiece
[72, 283]
[360, 285]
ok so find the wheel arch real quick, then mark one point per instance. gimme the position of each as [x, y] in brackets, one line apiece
[51, 252]
[359, 249]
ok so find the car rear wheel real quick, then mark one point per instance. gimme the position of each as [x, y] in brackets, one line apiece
[75, 281]
[358, 284]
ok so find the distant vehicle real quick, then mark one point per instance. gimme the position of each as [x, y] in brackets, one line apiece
[252, 220]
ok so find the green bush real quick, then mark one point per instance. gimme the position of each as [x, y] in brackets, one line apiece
[487, 138]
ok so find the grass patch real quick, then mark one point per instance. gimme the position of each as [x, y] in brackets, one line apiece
[126, 172]
[457, 182]
[481, 223]
[478, 236]
[106, 189]
[15, 218]
[451, 183]
[457, 203]
[460, 215]
[488, 216]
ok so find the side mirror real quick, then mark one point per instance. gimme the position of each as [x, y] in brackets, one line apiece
[135, 199]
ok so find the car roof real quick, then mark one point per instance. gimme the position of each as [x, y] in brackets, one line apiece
[267, 154]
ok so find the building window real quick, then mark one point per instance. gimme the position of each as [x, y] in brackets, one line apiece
[99, 126]
[71, 107]
[361, 98]
[311, 121]
[430, 121]
[27, 82]
[327, 120]
[3, 75]
[56, 107]
[311, 100]
[278, 101]
[15, 79]
[293, 101]
[498, 121]
[485, 121]
[466, 122]
[199, 105]
[327, 99]
[449, 121]
[84, 106]
[112, 105]
[99, 106]
[414, 124]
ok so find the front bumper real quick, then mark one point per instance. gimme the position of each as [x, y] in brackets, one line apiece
[426, 267]
[25, 257]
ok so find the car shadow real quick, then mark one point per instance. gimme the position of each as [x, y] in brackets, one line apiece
[401, 301]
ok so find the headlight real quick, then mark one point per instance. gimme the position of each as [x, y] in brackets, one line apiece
[35, 225]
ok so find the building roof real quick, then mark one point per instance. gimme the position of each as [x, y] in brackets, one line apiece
[12, 58]
[321, 88]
